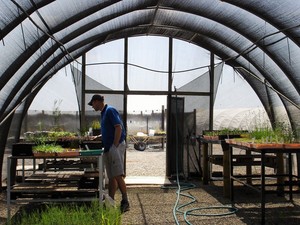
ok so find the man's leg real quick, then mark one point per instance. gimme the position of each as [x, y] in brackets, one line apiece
[122, 186]
[112, 187]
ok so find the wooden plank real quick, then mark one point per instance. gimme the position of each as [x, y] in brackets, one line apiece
[48, 188]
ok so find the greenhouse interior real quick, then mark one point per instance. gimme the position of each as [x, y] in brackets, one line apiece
[208, 88]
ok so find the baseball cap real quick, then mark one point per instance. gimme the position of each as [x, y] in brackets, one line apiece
[96, 97]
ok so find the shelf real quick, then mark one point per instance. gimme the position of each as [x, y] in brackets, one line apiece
[245, 160]
[57, 180]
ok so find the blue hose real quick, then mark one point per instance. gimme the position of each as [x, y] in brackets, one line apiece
[187, 186]
[191, 212]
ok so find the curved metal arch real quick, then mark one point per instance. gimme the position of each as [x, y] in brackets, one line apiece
[22, 58]
[35, 46]
[49, 53]
[70, 38]
[256, 85]
[219, 40]
[35, 66]
[285, 68]
[246, 5]
[63, 24]
[14, 23]
[7, 108]
[41, 73]
[288, 32]
[88, 27]
[231, 28]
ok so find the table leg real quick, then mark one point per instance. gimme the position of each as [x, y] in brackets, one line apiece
[263, 200]
[249, 169]
[100, 167]
[8, 190]
[280, 172]
[188, 156]
[290, 176]
[231, 176]
[226, 170]
[205, 163]
[23, 170]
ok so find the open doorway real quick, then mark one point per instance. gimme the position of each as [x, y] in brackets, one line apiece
[146, 136]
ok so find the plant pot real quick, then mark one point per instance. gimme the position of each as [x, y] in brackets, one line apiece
[96, 132]
[44, 154]
[292, 146]
[266, 145]
[68, 153]
[22, 149]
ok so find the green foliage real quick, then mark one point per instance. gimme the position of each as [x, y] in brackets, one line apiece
[225, 131]
[83, 131]
[281, 133]
[96, 125]
[60, 134]
[42, 137]
[74, 214]
[160, 132]
[40, 125]
[47, 148]
[57, 115]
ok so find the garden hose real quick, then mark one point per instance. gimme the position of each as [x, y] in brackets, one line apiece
[182, 186]
[187, 186]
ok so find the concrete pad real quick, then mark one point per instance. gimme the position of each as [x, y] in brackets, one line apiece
[146, 180]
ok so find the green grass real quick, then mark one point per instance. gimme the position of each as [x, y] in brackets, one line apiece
[72, 214]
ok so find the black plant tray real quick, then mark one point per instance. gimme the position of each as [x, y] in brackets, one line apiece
[22, 149]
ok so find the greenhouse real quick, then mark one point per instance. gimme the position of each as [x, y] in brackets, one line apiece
[179, 72]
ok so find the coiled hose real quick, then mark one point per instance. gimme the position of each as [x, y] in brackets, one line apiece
[187, 186]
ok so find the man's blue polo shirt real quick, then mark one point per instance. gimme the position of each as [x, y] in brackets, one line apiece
[109, 118]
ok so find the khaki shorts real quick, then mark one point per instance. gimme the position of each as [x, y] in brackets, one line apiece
[114, 160]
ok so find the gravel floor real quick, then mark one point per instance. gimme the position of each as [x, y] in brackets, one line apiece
[154, 204]
[150, 162]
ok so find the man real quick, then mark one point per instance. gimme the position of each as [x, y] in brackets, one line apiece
[113, 137]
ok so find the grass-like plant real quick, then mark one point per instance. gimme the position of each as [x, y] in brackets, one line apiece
[46, 136]
[73, 214]
[48, 148]
[96, 125]
[281, 133]
[225, 131]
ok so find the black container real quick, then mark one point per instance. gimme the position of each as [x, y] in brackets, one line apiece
[22, 149]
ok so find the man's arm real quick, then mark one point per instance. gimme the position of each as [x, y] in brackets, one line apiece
[118, 133]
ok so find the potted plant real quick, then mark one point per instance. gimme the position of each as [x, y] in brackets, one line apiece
[223, 134]
[46, 149]
[281, 136]
[68, 152]
[96, 127]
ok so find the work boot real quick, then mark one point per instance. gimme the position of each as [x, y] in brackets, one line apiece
[124, 207]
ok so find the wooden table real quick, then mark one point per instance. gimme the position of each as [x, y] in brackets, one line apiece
[247, 160]
[225, 163]
[280, 183]
[53, 179]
